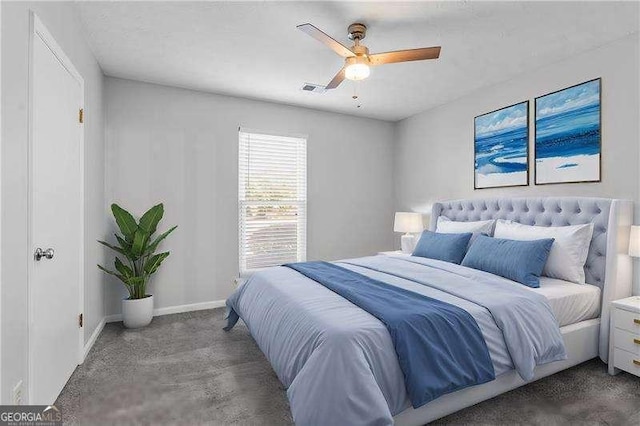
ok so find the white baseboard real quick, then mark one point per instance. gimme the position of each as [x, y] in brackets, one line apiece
[176, 309]
[94, 336]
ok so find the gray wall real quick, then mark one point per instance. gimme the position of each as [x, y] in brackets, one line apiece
[434, 149]
[181, 147]
[63, 23]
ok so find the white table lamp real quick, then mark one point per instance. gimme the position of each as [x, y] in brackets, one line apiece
[634, 241]
[408, 222]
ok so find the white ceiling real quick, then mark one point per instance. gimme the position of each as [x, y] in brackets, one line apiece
[253, 49]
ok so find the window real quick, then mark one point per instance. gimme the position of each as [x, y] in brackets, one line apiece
[272, 195]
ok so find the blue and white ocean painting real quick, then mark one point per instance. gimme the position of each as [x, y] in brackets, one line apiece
[501, 147]
[567, 142]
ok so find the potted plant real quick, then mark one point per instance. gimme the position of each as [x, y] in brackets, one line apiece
[139, 261]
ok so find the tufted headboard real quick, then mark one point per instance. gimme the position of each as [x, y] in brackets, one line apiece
[608, 266]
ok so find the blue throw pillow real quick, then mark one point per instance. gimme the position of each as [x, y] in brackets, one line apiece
[520, 261]
[447, 247]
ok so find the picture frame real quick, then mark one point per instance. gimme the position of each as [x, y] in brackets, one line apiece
[568, 135]
[501, 147]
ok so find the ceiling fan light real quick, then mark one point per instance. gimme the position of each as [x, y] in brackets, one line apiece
[357, 71]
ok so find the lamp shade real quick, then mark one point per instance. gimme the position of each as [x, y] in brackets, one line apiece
[634, 241]
[408, 222]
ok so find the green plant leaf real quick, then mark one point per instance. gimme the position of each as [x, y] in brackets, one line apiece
[123, 243]
[125, 221]
[134, 244]
[149, 220]
[115, 274]
[126, 248]
[140, 239]
[136, 281]
[137, 287]
[152, 247]
[126, 271]
[112, 247]
[153, 263]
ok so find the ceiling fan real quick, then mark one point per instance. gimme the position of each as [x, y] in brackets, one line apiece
[357, 58]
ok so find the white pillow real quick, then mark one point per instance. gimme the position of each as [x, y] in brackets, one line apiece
[569, 250]
[448, 226]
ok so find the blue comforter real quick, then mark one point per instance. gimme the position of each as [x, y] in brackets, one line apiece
[338, 361]
[421, 328]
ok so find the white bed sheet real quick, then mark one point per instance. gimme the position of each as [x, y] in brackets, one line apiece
[570, 302]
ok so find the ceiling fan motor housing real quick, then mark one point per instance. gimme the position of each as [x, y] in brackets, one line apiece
[360, 50]
[357, 31]
[359, 59]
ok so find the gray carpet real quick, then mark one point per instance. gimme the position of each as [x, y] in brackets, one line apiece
[183, 369]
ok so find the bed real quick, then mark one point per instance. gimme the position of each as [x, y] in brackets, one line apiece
[338, 362]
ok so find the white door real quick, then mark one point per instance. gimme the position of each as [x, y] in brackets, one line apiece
[56, 220]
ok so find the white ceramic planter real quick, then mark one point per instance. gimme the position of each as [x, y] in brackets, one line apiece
[137, 313]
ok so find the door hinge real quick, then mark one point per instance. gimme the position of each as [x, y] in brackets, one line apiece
[80, 320]
[81, 115]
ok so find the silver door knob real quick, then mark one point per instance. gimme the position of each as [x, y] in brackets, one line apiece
[39, 254]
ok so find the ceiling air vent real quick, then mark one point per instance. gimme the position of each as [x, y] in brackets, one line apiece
[315, 88]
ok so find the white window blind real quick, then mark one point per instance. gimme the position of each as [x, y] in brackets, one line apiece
[272, 194]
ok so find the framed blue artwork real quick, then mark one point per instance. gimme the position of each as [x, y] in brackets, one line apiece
[567, 135]
[501, 147]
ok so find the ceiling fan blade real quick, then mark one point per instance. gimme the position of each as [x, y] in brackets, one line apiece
[336, 80]
[405, 55]
[325, 39]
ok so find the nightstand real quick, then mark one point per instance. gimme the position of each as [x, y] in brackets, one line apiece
[624, 336]
[394, 253]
